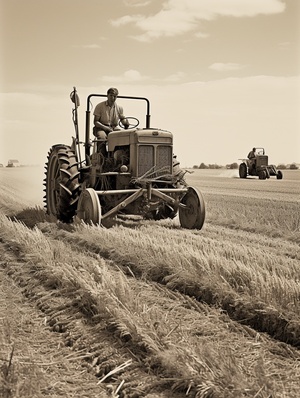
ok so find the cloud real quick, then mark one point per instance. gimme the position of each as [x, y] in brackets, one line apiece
[130, 75]
[125, 20]
[136, 3]
[201, 35]
[224, 67]
[176, 77]
[177, 17]
[91, 45]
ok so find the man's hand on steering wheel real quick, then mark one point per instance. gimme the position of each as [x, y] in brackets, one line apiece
[126, 124]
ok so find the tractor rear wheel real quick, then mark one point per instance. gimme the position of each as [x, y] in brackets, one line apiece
[89, 208]
[243, 170]
[192, 216]
[61, 183]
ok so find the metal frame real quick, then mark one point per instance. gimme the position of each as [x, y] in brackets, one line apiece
[136, 193]
[88, 116]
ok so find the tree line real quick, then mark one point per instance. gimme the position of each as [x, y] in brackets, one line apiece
[232, 166]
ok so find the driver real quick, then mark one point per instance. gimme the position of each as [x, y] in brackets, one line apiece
[107, 115]
[252, 157]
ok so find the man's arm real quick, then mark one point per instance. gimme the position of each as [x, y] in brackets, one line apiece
[101, 126]
[122, 117]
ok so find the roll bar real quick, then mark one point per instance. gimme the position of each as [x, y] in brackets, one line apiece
[88, 115]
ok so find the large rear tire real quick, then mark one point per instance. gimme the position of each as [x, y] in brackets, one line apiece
[193, 215]
[61, 183]
[243, 170]
[89, 208]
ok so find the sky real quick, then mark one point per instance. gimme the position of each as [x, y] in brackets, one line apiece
[221, 75]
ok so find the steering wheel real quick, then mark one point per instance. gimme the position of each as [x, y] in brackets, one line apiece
[131, 125]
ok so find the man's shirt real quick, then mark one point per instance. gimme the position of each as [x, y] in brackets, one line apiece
[109, 115]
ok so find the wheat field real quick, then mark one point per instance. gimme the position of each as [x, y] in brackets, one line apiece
[149, 309]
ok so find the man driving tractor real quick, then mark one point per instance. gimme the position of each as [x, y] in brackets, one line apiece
[252, 158]
[107, 115]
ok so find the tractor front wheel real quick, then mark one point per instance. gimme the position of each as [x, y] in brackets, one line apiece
[61, 183]
[262, 174]
[192, 215]
[279, 175]
[89, 208]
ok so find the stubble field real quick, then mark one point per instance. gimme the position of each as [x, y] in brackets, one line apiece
[147, 309]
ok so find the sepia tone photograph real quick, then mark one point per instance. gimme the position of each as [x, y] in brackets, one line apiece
[150, 198]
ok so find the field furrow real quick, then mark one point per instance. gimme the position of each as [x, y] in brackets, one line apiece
[184, 345]
[152, 310]
[215, 272]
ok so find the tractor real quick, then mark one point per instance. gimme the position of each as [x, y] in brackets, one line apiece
[139, 176]
[259, 166]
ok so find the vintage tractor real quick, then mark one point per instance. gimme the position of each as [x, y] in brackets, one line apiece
[258, 166]
[139, 176]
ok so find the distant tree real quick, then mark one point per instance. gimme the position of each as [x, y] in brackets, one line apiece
[203, 166]
[232, 166]
[214, 166]
[293, 166]
[195, 166]
[281, 166]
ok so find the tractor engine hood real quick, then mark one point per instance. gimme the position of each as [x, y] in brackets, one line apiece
[136, 136]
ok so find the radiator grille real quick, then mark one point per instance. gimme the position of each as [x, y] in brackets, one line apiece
[164, 156]
[160, 164]
[146, 159]
[262, 161]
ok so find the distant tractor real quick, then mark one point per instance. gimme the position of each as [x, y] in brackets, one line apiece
[138, 176]
[258, 166]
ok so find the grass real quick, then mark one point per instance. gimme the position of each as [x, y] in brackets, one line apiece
[194, 347]
[216, 272]
[207, 313]
[272, 218]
